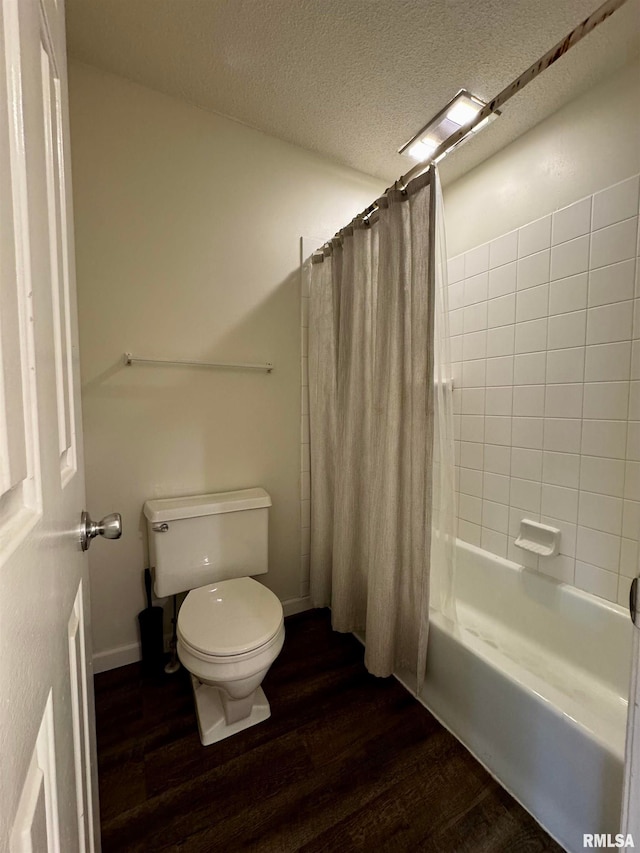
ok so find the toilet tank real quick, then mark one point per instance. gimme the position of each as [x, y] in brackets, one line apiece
[201, 539]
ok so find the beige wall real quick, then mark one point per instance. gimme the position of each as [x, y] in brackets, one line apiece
[588, 145]
[188, 231]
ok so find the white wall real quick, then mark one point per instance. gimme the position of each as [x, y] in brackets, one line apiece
[188, 231]
[591, 143]
[545, 316]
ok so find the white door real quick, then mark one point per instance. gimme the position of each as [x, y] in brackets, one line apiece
[48, 789]
[631, 796]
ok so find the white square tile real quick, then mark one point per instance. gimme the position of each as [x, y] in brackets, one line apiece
[634, 401]
[470, 509]
[475, 317]
[561, 469]
[474, 373]
[633, 441]
[472, 402]
[455, 347]
[604, 438]
[501, 311]
[570, 258]
[455, 269]
[499, 401]
[600, 549]
[562, 435]
[471, 455]
[614, 243]
[476, 288]
[526, 464]
[533, 270]
[600, 512]
[494, 542]
[474, 345]
[534, 237]
[610, 323]
[472, 428]
[606, 400]
[471, 482]
[532, 336]
[632, 481]
[525, 494]
[615, 203]
[496, 487]
[568, 294]
[629, 558]
[527, 432]
[603, 476]
[631, 519]
[503, 250]
[607, 362]
[571, 222]
[635, 359]
[563, 401]
[502, 280]
[500, 371]
[530, 369]
[495, 516]
[497, 460]
[596, 581]
[516, 515]
[498, 429]
[456, 321]
[456, 295]
[613, 283]
[500, 341]
[560, 502]
[533, 303]
[561, 568]
[470, 533]
[565, 365]
[567, 330]
[528, 401]
[568, 534]
[517, 555]
[476, 260]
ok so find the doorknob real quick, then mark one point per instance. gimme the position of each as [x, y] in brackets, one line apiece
[110, 527]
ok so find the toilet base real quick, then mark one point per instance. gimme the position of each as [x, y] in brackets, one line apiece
[212, 723]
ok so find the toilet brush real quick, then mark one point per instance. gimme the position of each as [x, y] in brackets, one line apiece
[151, 632]
[174, 664]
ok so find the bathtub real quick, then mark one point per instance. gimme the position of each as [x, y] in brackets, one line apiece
[534, 681]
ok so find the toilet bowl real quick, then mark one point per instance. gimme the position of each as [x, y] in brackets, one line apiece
[229, 634]
[230, 627]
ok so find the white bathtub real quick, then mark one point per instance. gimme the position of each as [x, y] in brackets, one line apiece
[534, 681]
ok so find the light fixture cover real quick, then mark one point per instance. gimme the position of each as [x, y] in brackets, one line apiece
[460, 111]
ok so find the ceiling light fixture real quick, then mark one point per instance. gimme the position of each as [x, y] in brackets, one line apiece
[460, 111]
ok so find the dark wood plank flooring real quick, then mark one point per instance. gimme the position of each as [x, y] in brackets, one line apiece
[347, 762]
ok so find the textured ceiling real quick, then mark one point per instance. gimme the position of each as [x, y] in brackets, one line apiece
[353, 79]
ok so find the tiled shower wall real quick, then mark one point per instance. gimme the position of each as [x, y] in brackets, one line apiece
[545, 326]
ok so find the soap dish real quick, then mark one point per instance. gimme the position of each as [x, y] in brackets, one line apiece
[540, 539]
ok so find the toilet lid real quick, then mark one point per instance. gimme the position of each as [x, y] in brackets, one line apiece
[229, 617]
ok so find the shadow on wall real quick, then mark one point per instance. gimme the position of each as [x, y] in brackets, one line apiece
[155, 431]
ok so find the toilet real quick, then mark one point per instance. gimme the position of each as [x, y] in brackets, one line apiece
[230, 626]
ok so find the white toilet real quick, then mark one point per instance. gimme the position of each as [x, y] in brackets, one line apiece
[230, 627]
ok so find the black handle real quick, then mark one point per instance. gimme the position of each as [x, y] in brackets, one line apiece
[633, 600]
[147, 586]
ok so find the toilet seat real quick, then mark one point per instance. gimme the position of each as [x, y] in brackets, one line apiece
[230, 620]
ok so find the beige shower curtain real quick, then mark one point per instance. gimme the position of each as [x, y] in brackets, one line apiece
[375, 293]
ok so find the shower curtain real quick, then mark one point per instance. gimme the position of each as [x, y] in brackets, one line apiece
[381, 428]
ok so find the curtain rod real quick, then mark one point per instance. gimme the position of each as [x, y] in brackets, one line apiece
[560, 49]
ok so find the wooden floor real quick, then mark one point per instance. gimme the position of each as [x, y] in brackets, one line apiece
[347, 762]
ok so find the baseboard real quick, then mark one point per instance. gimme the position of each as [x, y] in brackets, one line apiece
[296, 605]
[112, 659]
